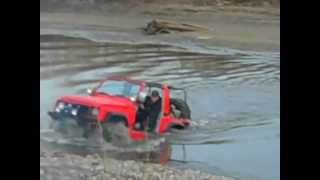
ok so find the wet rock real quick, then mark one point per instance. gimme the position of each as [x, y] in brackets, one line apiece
[57, 154]
[171, 177]
[100, 168]
[95, 163]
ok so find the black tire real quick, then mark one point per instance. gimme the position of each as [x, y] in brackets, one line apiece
[182, 106]
[116, 133]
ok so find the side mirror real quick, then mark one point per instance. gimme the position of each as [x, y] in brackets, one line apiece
[142, 97]
[89, 91]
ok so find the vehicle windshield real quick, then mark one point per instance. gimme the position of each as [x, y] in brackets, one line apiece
[119, 88]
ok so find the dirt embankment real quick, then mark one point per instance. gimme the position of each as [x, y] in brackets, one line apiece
[239, 24]
[101, 5]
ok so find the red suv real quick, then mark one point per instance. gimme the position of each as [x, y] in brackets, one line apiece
[113, 105]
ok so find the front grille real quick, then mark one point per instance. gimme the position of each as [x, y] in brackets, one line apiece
[82, 114]
[84, 111]
[81, 111]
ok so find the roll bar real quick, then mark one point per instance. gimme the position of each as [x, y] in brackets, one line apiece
[158, 85]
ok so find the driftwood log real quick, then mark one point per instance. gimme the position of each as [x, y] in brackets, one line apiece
[163, 26]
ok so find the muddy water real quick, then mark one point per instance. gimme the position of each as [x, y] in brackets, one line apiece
[234, 96]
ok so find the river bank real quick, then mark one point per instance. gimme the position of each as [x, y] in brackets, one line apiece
[239, 27]
[92, 167]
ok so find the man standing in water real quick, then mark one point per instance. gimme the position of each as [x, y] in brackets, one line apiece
[152, 109]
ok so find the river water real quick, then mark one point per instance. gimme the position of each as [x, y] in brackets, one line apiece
[234, 95]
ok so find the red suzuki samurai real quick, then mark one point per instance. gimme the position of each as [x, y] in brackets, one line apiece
[113, 105]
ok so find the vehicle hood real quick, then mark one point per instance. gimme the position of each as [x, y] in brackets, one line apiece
[97, 100]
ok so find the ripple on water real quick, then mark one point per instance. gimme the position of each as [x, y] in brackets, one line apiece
[60, 55]
[230, 92]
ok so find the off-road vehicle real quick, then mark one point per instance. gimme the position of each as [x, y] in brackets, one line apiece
[113, 106]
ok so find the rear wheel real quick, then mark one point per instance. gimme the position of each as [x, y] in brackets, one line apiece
[182, 107]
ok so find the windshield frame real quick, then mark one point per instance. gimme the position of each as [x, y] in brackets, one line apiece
[96, 90]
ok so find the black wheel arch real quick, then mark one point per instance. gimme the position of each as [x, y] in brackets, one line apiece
[114, 117]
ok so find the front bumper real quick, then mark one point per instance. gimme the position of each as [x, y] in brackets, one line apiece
[83, 122]
[59, 116]
[72, 111]
[81, 119]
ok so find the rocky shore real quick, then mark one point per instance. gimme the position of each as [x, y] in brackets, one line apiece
[64, 166]
[75, 160]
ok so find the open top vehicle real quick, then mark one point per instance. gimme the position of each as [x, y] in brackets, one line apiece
[113, 106]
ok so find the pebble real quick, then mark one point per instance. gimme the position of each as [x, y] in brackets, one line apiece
[99, 168]
[171, 177]
[95, 163]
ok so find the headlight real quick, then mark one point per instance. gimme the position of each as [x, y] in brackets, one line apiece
[58, 109]
[95, 111]
[74, 112]
[61, 105]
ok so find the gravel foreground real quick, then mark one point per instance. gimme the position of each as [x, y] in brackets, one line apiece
[63, 166]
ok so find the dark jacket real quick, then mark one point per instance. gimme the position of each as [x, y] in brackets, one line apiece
[154, 110]
[151, 112]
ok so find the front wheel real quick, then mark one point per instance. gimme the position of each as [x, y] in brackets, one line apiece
[116, 133]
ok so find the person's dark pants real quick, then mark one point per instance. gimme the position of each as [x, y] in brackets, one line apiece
[141, 119]
[152, 121]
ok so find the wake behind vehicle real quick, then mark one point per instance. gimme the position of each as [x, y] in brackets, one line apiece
[113, 106]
